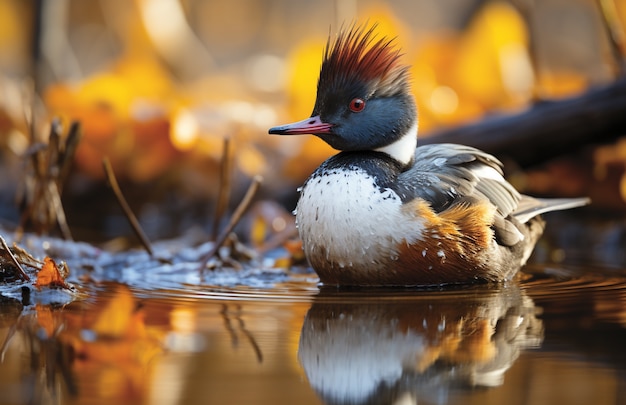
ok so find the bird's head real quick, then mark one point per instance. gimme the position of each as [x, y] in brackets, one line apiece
[363, 96]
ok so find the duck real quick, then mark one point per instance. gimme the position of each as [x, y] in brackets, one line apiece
[384, 211]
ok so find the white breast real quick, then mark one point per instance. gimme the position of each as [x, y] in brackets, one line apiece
[347, 216]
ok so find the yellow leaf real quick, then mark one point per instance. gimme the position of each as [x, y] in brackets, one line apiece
[388, 25]
[115, 319]
[258, 230]
[493, 64]
[303, 69]
[250, 160]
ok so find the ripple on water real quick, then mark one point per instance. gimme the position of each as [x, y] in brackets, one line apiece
[543, 283]
[549, 282]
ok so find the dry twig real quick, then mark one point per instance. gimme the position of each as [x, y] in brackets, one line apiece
[225, 186]
[48, 167]
[17, 264]
[66, 155]
[130, 216]
[239, 211]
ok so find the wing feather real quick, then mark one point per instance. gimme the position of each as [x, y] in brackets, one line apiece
[446, 173]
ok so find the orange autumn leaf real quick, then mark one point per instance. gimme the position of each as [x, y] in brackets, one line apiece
[45, 319]
[49, 275]
[294, 247]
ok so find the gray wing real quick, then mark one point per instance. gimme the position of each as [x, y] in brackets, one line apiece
[530, 207]
[446, 173]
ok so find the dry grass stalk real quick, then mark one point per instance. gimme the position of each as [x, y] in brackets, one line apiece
[225, 186]
[13, 259]
[130, 216]
[234, 219]
[47, 167]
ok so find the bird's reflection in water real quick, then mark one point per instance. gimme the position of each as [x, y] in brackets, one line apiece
[386, 347]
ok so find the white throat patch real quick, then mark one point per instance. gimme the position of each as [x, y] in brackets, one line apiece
[403, 149]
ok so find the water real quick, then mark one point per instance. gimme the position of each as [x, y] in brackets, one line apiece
[556, 337]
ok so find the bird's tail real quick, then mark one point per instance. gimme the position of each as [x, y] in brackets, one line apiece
[530, 207]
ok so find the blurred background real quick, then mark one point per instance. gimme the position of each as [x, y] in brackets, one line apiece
[157, 85]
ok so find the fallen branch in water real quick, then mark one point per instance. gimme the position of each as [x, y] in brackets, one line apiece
[547, 129]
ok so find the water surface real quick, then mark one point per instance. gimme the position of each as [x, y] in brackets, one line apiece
[555, 337]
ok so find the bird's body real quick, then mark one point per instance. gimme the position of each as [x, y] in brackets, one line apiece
[383, 212]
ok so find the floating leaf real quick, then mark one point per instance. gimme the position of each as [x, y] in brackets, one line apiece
[50, 276]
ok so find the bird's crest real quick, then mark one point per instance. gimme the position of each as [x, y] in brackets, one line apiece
[357, 56]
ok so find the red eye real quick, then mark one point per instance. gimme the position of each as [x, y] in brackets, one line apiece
[357, 105]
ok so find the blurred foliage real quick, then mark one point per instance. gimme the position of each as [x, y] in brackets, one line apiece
[158, 85]
[156, 89]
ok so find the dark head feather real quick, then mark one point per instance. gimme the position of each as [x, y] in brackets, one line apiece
[357, 59]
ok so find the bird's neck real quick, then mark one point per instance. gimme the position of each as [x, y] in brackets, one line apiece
[403, 149]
